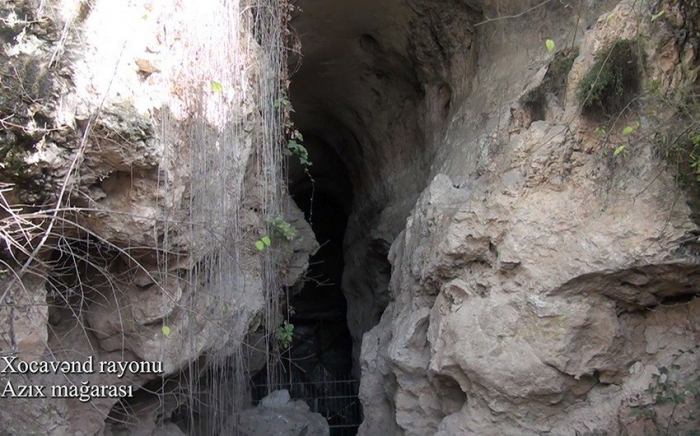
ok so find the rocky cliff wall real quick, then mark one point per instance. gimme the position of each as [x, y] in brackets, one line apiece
[521, 256]
[140, 158]
[545, 281]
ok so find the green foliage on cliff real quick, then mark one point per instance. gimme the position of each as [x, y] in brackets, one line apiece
[285, 333]
[280, 227]
[612, 81]
[671, 386]
[683, 152]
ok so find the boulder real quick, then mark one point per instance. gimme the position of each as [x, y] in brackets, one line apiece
[277, 414]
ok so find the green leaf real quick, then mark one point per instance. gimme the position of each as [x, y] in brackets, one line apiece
[619, 150]
[695, 140]
[630, 129]
[284, 102]
[260, 245]
[550, 45]
[166, 331]
[657, 16]
[216, 87]
[266, 240]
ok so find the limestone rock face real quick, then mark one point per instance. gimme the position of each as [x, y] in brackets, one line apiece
[514, 264]
[540, 285]
[479, 330]
[131, 117]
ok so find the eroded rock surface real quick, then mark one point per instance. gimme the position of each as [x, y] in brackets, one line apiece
[110, 110]
[513, 265]
[541, 288]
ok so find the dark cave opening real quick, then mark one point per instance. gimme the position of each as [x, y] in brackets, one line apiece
[322, 349]
[319, 363]
[322, 341]
[371, 86]
[318, 309]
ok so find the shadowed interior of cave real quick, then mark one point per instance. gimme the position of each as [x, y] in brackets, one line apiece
[319, 363]
[322, 343]
[369, 85]
[372, 85]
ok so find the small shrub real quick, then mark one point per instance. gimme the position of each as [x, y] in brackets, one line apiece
[281, 227]
[683, 152]
[612, 81]
[285, 334]
[535, 103]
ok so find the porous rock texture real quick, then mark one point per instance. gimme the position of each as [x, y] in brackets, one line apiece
[540, 283]
[107, 108]
[537, 282]
[506, 272]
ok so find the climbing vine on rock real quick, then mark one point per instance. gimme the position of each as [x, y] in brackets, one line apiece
[670, 386]
[295, 138]
[294, 144]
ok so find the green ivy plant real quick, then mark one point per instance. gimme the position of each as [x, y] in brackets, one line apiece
[284, 103]
[263, 243]
[294, 145]
[281, 227]
[667, 388]
[299, 150]
[285, 332]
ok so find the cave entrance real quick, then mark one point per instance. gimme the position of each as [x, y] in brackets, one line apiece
[318, 366]
[322, 341]
[370, 88]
